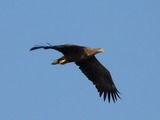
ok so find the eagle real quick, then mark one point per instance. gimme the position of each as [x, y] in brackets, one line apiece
[84, 57]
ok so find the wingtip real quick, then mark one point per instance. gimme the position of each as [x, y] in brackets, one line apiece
[37, 47]
[111, 95]
[34, 47]
[31, 49]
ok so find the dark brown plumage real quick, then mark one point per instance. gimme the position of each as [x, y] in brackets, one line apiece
[84, 57]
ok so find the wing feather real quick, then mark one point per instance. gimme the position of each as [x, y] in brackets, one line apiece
[100, 77]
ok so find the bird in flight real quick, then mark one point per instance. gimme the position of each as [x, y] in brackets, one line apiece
[84, 57]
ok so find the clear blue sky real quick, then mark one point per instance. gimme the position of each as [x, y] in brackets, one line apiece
[32, 89]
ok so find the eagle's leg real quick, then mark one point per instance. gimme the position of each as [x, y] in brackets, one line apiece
[61, 60]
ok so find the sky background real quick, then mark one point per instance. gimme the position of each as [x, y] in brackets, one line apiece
[32, 89]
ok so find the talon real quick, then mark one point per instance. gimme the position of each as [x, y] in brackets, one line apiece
[62, 60]
[55, 62]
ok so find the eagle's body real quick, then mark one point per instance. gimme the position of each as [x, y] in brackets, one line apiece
[85, 58]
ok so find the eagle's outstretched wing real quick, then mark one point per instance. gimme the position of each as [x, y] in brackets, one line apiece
[100, 77]
[65, 49]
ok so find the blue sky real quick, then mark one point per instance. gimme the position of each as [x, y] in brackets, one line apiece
[32, 89]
